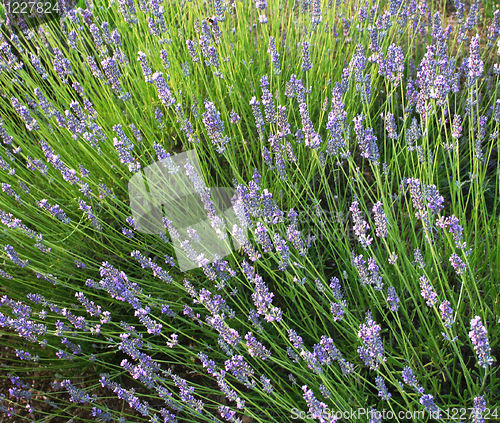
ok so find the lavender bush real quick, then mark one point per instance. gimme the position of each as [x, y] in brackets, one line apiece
[361, 139]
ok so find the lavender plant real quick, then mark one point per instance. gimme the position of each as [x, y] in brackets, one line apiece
[360, 140]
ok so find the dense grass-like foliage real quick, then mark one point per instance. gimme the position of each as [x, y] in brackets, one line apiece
[361, 139]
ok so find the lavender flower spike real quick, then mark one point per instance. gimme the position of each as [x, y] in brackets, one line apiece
[372, 351]
[478, 336]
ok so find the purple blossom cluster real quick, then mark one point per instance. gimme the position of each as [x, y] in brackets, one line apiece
[380, 220]
[372, 349]
[479, 338]
[392, 67]
[446, 314]
[256, 348]
[360, 227]
[369, 275]
[163, 90]
[367, 141]
[14, 256]
[262, 297]
[337, 123]
[241, 370]
[393, 299]
[382, 389]
[317, 409]
[311, 138]
[275, 57]
[215, 127]
[427, 291]
[55, 210]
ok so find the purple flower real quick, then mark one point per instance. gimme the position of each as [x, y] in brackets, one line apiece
[7, 139]
[163, 89]
[427, 292]
[428, 402]
[419, 259]
[261, 4]
[231, 336]
[336, 123]
[295, 339]
[456, 230]
[14, 256]
[412, 135]
[474, 62]
[262, 237]
[390, 127]
[35, 61]
[410, 379]
[393, 67]
[294, 237]
[62, 66]
[159, 117]
[382, 389]
[316, 17]
[416, 194]
[478, 336]
[366, 140]
[228, 414]
[164, 59]
[151, 325]
[125, 155]
[268, 101]
[4, 274]
[55, 210]
[495, 107]
[283, 125]
[283, 250]
[241, 370]
[479, 409]
[96, 71]
[228, 391]
[392, 298]
[372, 350]
[337, 310]
[99, 43]
[435, 200]
[192, 51]
[105, 33]
[336, 288]
[23, 112]
[259, 120]
[256, 348]
[91, 308]
[112, 73]
[380, 220]
[76, 395]
[12, 60]
[317, 409]
[358, 63]
[360, 226]
[306, 60]
[23, 355]
[446, 314]
[457, 264]
[275, 57]
[312, 138]
[235, 118]
[215, 127]
[9, 191]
